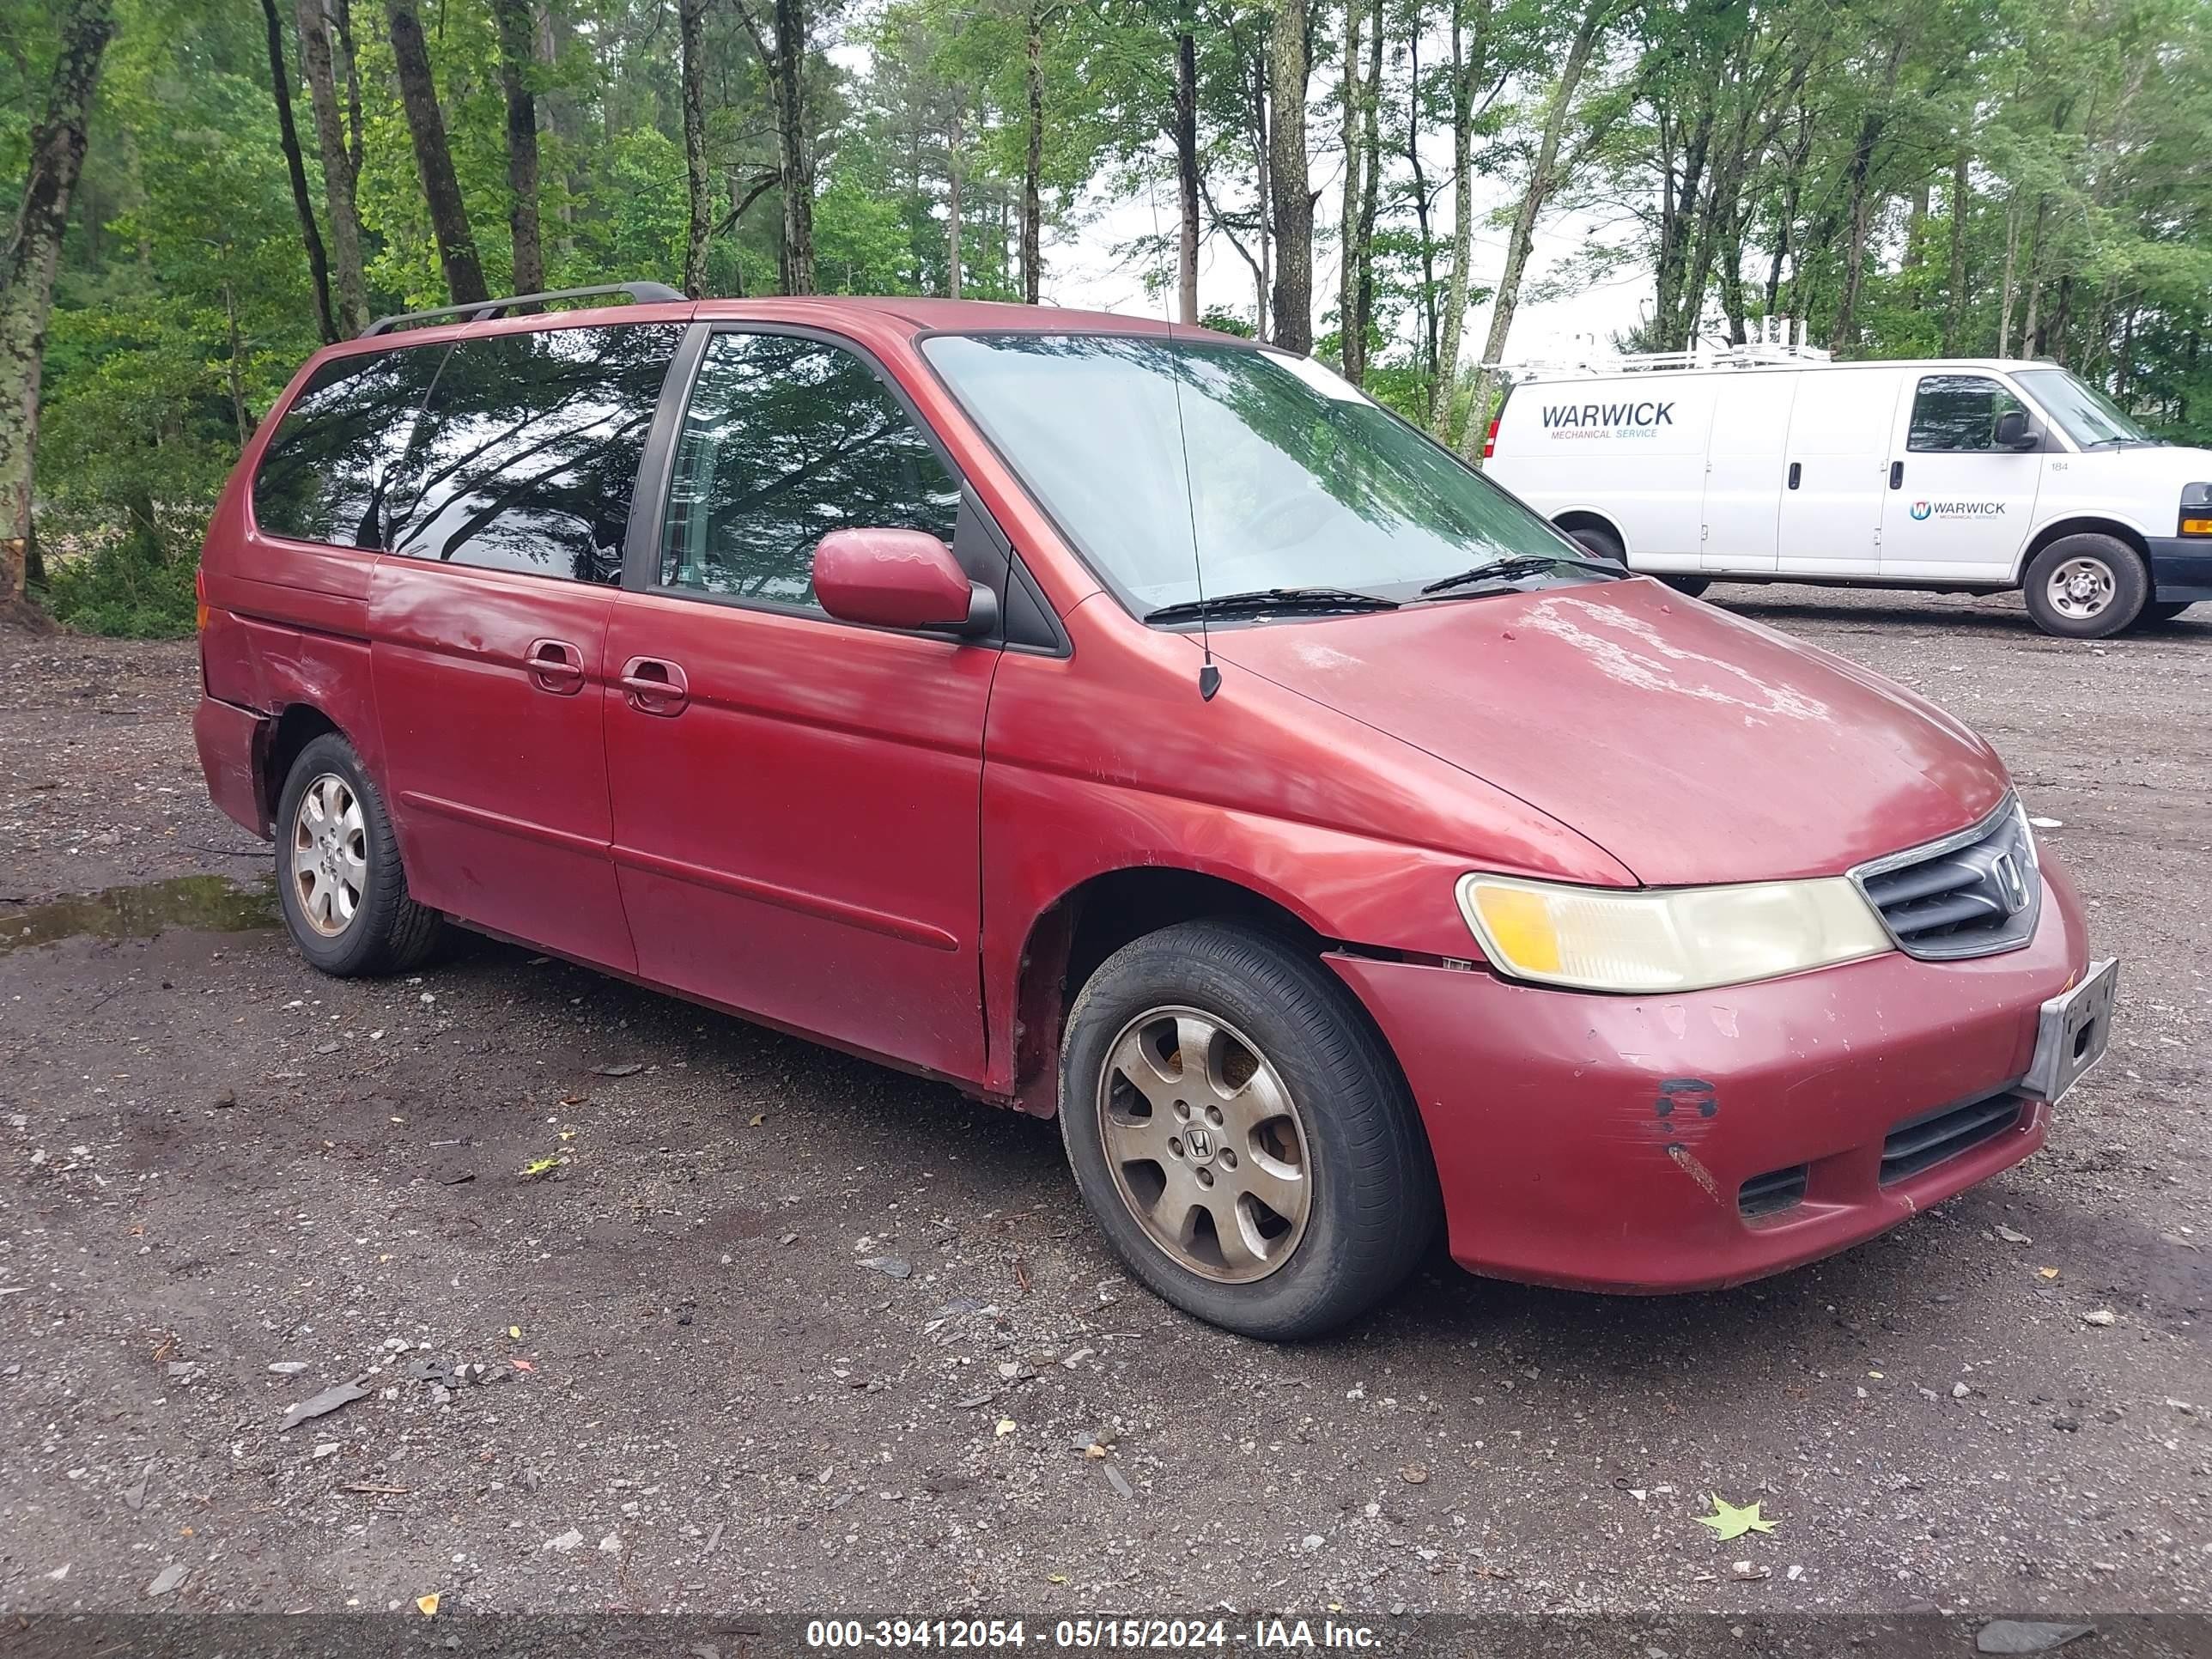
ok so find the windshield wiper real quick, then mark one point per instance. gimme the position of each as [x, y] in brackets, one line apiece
[1512, 568]
[1270, 599]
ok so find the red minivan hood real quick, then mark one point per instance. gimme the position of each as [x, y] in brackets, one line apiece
[1691, 744]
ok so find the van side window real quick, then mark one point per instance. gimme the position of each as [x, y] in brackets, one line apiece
[529, 451]
[1956, 412]
[785, 440]
[327, 472]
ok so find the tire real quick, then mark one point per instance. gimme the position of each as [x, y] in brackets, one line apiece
[2159, 612]
[1599, 544]
[1688, 587]
[1344, 1162]
[2088, 587]
[339, 882]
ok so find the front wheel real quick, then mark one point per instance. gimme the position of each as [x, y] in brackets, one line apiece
[1239, 1132]
[2088, 587]
[2159, 613]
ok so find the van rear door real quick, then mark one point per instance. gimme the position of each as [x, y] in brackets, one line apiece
[1745, 469]
[1836, 470]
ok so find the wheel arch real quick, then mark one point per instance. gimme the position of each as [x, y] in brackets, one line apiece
[1587, 518]
[1080, 929]
[296, 725]
[2081, 523]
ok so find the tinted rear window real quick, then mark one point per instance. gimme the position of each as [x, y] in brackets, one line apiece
[529, 447]
[324, 475]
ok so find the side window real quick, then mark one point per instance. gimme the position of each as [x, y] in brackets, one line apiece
[326, 472]
[785, 441]
[1957, 412]
[529, 451]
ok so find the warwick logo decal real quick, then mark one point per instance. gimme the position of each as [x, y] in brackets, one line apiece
[1958, 509]
[1640, 420]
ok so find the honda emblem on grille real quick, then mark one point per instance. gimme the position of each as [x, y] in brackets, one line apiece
[2012, 887]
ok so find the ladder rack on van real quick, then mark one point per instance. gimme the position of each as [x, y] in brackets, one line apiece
[1772, 345]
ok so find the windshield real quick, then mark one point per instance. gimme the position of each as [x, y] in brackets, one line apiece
[1295, 480]
[2089, 417]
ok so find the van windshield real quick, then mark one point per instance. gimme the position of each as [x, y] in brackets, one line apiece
[1295, 480]
[2091, 419]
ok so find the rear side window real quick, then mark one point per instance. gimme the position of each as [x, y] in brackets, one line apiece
[326, 473]
[786, 440]
[1957, 412]
[528, 451]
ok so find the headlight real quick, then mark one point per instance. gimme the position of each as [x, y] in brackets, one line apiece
[2196, 509]
[1680, 939]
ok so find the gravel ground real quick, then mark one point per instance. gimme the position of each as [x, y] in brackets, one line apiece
[231, 1184]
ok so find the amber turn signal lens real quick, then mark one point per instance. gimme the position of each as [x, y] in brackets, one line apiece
[2196, 526]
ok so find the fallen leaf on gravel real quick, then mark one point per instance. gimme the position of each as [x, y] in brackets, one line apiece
[515, 1332]
[2100, 1316]
[1006, 1427]
[342, 1394]
[2012, 1238]
[428, 1604]
[538, 1168]
[1055, 1578]
[756, 1120]
[1728, 1522]
[2048, 1272]
[621, 1068]
[1413, 1475]
[2027, 1636]
[1094, 1449]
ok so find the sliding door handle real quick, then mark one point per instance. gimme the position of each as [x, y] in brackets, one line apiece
[1796, 473]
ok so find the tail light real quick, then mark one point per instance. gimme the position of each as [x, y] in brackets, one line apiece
[1489, 440]
[199, 594]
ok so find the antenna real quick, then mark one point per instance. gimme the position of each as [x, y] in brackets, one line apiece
[1209, 675]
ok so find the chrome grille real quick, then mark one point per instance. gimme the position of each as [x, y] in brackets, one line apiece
[1969, 894]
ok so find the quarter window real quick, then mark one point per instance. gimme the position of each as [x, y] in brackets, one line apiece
[326, 475]
[1957, 412]
[529, 451]
[786, 440]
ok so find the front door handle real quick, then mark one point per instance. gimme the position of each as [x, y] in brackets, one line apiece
[1896, 475]
[1796, 473]
[653, 685]
[557, 666]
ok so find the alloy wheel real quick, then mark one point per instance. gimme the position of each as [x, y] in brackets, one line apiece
[330, 855]
[1206, 1144]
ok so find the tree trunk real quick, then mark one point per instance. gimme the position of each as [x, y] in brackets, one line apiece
[1347, 277]
[338, 181]
[1421, 206]
[287, 136]
[2011, 271]
[1033, 164]
[518, 50]
[1862, 202]
[434, 159]
[793, 146]
[1534, 195]
[1955, 315]
[27, 264]
[952, 182]
[1292, 199]
[1186, 149]
[1370, 192]
[2031, 329]
[691, 33]
[1470, 66]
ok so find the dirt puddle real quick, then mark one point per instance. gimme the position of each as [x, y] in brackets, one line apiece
[204, 903]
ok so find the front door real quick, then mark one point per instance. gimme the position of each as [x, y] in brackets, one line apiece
[488, 622]
[796, 799]
[1832, 476]
[1958, 507]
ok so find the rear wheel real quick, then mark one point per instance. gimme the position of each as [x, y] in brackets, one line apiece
[1599, 542]
[339, 882]
[1688, 587]
[1239, 1132]
[2088, 587]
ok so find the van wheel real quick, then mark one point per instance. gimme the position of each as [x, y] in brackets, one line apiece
[1241, 1133]
[2157, 613]
[1599, 544]
[2088, 587]
[1688, 587]
[338, 877]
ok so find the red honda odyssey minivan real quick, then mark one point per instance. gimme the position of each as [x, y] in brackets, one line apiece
[1138, 725]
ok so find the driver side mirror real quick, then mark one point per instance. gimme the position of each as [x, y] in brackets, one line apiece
[900, 579]
[2015, 431]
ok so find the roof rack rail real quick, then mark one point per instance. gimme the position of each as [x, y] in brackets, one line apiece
[484, 310]
[1773, 344]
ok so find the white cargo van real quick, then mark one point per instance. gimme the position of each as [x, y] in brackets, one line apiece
[1970, 475]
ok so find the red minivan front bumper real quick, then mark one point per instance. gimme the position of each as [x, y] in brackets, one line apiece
[1605, 1142]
